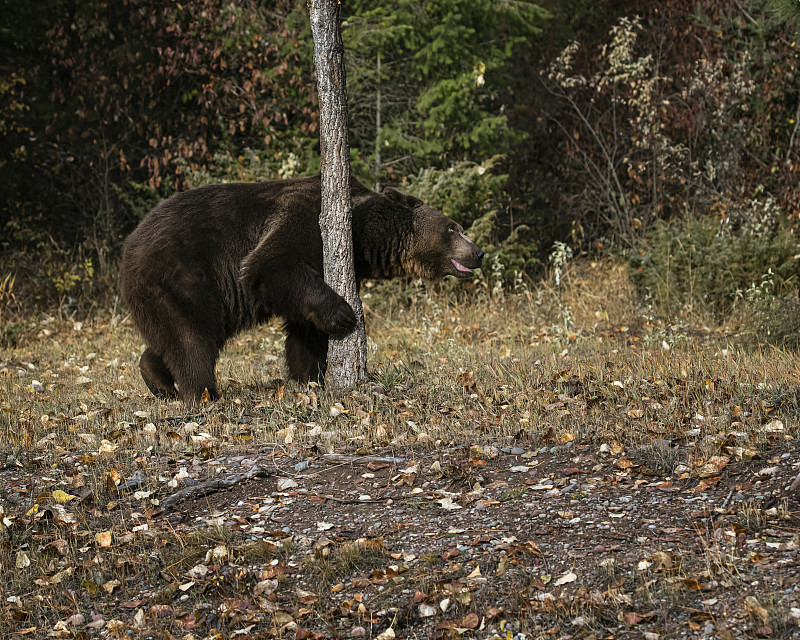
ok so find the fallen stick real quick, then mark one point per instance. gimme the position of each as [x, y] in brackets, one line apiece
[338, 458]
[212, 486]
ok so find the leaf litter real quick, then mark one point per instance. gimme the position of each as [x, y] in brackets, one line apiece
[581, 510]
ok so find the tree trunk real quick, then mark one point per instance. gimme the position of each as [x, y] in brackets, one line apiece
[347, 357]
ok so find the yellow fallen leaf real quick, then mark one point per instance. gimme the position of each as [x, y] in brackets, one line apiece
[62, 497]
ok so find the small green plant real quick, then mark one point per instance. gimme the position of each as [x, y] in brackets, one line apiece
[667, 335]
[389, 377]
[559, 258]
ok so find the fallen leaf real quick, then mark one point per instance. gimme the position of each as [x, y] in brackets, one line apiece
[754, 607]
[470, 621]
[103, 538]
[713, 467]
[631, 618]
[111, 585]
[265, 587]
[704, 484]
[694, 585]
[743, 453]
[426, 611]
[447, 503]
[286, 483]
[775, 426]
[568, 577]
[62, 497]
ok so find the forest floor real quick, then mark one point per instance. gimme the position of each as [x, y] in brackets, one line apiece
[537, 464]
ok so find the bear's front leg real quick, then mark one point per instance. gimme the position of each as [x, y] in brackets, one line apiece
[329, 312]
[299, 295]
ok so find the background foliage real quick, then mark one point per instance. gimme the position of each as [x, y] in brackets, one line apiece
[663, 132]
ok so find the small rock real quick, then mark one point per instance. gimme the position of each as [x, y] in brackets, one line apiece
[358, 632]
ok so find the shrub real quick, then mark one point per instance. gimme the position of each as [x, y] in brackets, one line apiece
[647, 136]
[472, 195]
[701, 264]
[769, 316]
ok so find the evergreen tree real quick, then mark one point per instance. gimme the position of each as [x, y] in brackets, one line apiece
[429, 78]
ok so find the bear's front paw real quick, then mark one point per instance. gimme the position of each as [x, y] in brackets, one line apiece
[337, 320]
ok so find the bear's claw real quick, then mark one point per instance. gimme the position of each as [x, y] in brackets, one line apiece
[339, 320]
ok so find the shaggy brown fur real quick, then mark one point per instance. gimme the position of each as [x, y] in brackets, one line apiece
[208, 263]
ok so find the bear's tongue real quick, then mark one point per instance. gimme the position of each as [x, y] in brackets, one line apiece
[460, 266]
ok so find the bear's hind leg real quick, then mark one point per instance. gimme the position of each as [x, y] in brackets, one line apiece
[306, 352]
[157, 376]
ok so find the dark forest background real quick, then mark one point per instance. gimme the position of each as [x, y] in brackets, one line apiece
[662, 132]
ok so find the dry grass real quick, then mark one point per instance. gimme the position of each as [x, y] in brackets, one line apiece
[451, 366]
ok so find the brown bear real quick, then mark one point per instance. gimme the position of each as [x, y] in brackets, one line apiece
[210, 262]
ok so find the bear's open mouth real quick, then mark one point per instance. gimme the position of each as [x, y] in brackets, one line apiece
[461, 267]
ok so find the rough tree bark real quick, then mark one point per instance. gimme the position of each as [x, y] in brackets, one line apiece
[347, 357]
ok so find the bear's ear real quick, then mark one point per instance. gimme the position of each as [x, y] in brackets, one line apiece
[402, 198]
[393, 193]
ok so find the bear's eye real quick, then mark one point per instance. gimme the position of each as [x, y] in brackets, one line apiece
[451, 229]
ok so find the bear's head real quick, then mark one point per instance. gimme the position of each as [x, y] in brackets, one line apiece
[438, 246]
